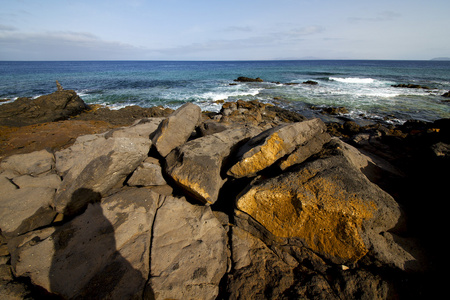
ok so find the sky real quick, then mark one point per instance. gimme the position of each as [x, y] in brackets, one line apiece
[223, 30]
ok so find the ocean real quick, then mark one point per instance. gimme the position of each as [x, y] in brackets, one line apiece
[365, 88]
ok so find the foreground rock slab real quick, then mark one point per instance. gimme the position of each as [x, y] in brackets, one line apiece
[188, 252]
[100, 254]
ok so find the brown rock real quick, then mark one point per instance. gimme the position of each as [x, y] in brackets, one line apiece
[265, 149]
[323, 208]
[176, 129]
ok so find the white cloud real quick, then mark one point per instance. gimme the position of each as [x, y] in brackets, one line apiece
[62, 45]
[380, 17]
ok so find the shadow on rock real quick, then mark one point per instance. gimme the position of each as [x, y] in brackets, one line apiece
[86, 263]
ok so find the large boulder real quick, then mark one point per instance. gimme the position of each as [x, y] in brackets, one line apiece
[336, 216]
[59, 105]
[197, 165]
[177, 128]
[103, 253]
[188, 252]
[98, 163]
[268, 147]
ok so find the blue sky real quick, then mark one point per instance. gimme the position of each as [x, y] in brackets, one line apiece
[223, 30]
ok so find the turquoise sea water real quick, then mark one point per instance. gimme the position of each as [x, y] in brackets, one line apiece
[363, 87]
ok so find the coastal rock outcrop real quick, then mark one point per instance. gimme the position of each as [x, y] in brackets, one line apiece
[60, 105]
[251, 202]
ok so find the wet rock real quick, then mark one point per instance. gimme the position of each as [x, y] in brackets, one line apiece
[268, 147]
[176, 129]
[197, 165]
[446, 94]
[410, 86]
[248, 79]
[311, 82]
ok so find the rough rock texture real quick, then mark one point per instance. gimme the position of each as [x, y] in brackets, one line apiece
[176, 129]
[188, 254]
[323, 227]
[98, 163]
[197, 165]
[147, 174]
[328, 212]
[265, 149]
[100, 254]
[54, 107]
[33, 163]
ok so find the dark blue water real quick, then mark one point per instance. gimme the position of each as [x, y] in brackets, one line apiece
[363, 87]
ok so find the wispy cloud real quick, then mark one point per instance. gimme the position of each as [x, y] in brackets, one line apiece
[7, 28]
[61, 45]
[380, 17]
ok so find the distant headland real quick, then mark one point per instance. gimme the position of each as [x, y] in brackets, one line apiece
[441, 58]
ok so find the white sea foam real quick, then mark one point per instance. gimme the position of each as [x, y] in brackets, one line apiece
[353, 80]
[224, 95]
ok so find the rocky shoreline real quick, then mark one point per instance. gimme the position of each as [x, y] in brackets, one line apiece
[252, 202]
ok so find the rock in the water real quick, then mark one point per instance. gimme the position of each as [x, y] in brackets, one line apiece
[101, 254]
[60, 105]
[197, 165]
[176, 129]
[188, 252]
[268, 147]
[332, 214]
[248, 79]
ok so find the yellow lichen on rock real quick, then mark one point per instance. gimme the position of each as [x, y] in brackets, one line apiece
[260, 158]
[314, 209]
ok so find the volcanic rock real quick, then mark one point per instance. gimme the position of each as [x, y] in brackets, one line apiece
[333, 215]
[188, 252]
[197, 165]
[176, 129]
[102, 253]
[248, 79]
[265, 149]
[48, 108]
